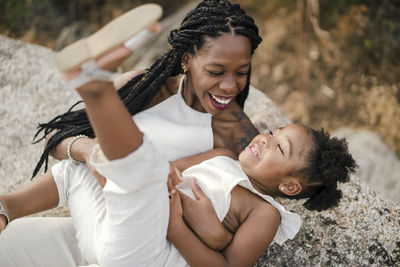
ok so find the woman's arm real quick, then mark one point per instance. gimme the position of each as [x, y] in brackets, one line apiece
[250, 240]
[39, 195]
[80, 149]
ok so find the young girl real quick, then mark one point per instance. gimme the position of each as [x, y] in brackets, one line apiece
[131, 227]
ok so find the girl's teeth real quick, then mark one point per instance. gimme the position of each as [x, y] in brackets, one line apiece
[222, 101]
[254, 150]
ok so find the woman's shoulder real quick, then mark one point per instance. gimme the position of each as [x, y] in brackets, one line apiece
[169, 88]
[233, 129]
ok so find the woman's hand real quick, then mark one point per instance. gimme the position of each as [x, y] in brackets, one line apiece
[200, 216]
[174, 178]
[81, 150]
[175, 216]
[100, 178]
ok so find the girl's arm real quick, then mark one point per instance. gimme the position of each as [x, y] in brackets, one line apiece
[200, 216]
[250, 240]
[187, 162]
[200, 213]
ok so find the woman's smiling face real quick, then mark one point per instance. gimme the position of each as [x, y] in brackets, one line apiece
[270, 157]
[217, 72]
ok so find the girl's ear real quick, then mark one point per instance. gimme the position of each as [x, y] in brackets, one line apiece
[290, 187]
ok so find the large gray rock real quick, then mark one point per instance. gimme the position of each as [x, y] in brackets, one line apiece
[363, 230]
[379, 164]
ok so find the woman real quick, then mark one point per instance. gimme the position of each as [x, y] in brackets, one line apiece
[213, 46]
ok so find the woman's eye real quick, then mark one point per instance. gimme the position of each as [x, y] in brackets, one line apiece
[215, 73]
[242, 73]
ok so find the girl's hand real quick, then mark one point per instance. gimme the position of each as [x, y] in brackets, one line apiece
[200, 216]
[174, 178]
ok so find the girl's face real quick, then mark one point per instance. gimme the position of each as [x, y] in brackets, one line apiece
[270, 158]
[217, 73]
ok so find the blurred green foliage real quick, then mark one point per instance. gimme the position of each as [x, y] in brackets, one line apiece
[379, 41]
[17, 16]
[376, 39]
[366, 31]
[13, 14]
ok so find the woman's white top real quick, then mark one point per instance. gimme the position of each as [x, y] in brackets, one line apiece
[218, 176]
[176, 129]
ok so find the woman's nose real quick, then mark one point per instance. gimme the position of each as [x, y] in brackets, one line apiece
[228, 85]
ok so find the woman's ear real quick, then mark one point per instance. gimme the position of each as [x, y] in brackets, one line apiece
[290, 187]
[185, 58]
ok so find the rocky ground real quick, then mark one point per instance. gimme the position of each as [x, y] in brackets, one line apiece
[361, 232]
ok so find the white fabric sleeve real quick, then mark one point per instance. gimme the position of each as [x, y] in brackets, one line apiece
[61, 175]
[134, 229]
[123, 175]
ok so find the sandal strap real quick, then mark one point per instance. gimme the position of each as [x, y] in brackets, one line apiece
[4, 212]
[138, 40]
[91, 72]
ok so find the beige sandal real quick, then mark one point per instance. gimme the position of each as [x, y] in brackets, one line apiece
[5, 213]
[129, 29]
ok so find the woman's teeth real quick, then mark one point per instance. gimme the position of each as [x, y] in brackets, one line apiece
[220, 100]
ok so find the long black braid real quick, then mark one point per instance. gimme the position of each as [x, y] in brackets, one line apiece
[211, 18]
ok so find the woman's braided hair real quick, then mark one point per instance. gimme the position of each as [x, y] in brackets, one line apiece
[211, 18]
[328, 163]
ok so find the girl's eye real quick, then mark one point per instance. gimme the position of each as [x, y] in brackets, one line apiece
[280, 148]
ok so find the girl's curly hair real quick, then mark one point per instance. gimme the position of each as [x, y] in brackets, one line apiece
[328, 163]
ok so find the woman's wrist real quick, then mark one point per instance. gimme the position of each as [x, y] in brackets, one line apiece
[69, 147]
[175, 227]
[84, 149]
[79, 148]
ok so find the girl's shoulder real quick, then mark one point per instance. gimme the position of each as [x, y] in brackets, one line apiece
[245, 204]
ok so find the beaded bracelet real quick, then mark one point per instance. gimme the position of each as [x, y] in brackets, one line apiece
[70, 143]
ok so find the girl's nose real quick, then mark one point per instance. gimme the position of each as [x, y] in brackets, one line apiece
[264, 139]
